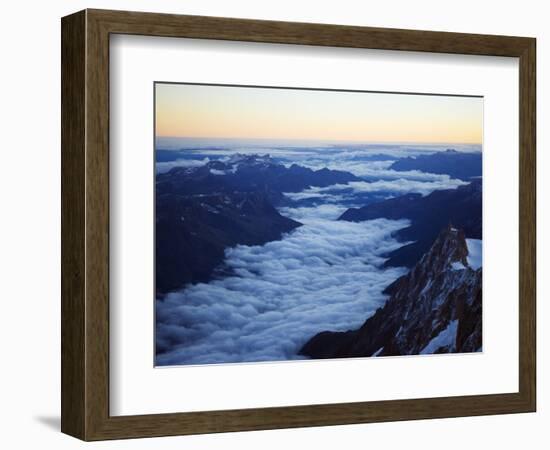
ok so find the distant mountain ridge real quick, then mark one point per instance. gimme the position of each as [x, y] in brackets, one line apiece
[461, 206]
[435, 308]
[247, 173]
[461, 165]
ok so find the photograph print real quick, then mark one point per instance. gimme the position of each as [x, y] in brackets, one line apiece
[304, 224]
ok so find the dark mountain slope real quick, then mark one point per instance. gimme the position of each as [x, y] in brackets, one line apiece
[464, 166]
[429, 214]
[192, 233]
[435, 308]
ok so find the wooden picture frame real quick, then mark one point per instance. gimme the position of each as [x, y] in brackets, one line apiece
[85, 224]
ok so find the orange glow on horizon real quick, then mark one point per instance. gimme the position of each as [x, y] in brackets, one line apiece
[290, 114]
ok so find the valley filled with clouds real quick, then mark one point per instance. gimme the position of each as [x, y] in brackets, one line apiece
[264, 302]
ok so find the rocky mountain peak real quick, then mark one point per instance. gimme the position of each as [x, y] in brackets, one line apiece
[435, 308]
[449, 250]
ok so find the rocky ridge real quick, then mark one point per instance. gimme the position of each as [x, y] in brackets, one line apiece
[435, 308]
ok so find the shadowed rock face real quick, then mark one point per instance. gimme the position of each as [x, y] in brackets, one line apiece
[435, 308]
[192, 233]
[429, 214]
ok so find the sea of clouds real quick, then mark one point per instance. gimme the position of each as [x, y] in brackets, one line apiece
[325, 275]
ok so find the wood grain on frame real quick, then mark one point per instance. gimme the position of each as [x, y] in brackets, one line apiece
[85, 224]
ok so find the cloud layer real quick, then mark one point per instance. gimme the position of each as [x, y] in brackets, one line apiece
[363, 160]
[162, 167]
[324, 275]
[339, 192]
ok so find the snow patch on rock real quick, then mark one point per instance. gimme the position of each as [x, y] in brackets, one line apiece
[474, 253]
[444, 339]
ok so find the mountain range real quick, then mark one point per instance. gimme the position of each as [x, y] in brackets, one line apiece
[202, 211]
[206, 207]
[247, 173]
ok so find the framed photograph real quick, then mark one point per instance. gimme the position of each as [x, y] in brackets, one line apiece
[273, 225]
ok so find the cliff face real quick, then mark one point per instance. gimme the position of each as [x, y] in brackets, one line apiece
[435, 308]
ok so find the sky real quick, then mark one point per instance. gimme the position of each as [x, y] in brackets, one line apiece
[192, 110]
